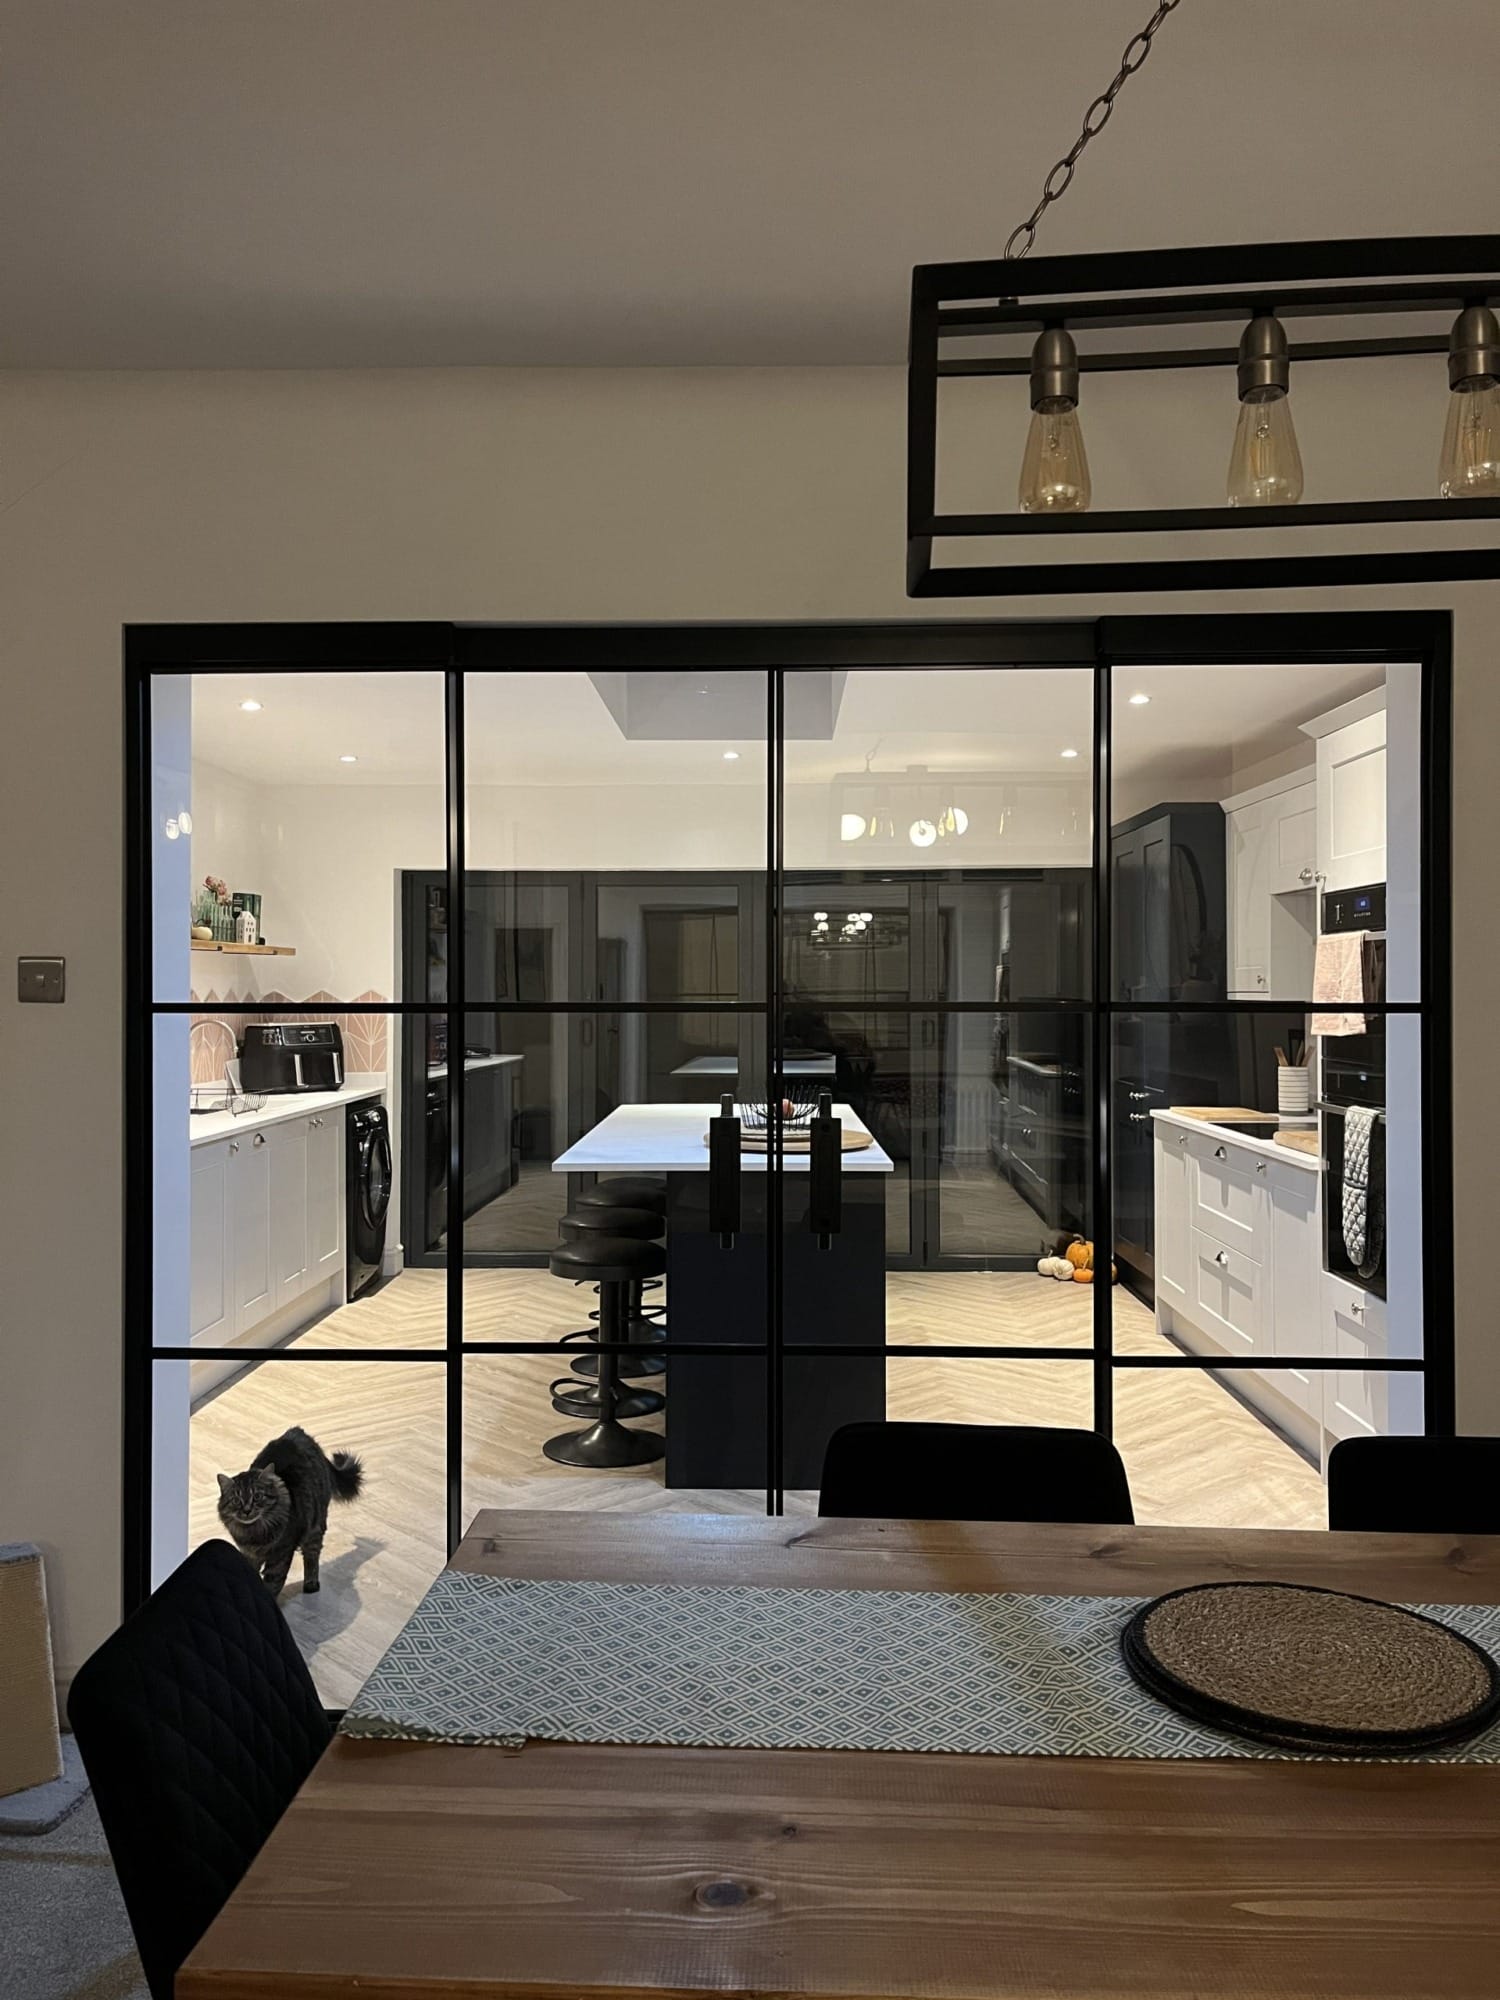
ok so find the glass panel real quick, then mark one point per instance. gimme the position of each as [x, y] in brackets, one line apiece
[284, 809]
[276, 1213]
[894, 769]
[1007, 936]
[381, 1549]
[536, 1085]
[510, 1414]
[1013, 1176]
[1248, 1231]
[1257, 811]
[616, 836]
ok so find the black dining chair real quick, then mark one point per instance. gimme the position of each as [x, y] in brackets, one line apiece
[1415, 1485]
[197, 1722]
[974, 1472]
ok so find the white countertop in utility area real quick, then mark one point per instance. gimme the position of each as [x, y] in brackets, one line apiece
[205, 1126]
[672, 1139]
[793, 1066]
[471, 1063]
[1270, 1145]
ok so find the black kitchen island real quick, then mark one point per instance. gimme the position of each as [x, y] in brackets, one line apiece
[833, 1296]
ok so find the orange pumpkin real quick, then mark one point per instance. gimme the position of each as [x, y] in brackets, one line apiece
[1080, 1255]
[1082, 1277]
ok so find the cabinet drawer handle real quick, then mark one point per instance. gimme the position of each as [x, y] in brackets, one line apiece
[234, 1145]
[1260, 1166]
[1305, 875]
[1220, 1154]
[1182, 1138]
[1139, 1118]
[1357, 1309]
[1137, 1096]
[1221, 1256]
[259, 1139]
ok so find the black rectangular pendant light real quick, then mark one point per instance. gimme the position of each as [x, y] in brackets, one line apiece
[1356, 285]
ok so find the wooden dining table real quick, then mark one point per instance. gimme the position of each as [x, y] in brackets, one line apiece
[414, 1871]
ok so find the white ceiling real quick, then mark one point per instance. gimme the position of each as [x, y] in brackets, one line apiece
[555, 730]
[282, 183]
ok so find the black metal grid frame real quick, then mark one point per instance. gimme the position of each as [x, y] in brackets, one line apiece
[1097, 646]
[1359, 280]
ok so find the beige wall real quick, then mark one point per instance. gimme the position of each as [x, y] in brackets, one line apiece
[735, 494]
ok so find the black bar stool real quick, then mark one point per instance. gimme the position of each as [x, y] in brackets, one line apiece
[626, 1191]
[640, 1225]
[633, 1191]
[614, 1263]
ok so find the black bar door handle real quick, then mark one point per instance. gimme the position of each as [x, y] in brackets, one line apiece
[826, 1174]
[724, 1173]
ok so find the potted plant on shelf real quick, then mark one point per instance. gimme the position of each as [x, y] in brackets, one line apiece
[213, 912]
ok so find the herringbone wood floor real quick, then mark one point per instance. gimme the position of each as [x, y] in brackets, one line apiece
[1194, 1454]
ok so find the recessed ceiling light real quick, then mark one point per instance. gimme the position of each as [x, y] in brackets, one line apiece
[347, 759]
[1069, 753]
[1140, 700]
[250, 707]
[731, 756]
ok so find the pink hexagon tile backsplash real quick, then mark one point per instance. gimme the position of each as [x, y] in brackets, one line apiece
[214, 1034]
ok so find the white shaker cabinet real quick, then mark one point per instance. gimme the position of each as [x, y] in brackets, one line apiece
[1293, 861]
[252, 1258]
[1351, 804]
[1271, 855]
[289, 1217]
[210, 1289]
[267, 1223]
[325, 1195]
[1174, 1230]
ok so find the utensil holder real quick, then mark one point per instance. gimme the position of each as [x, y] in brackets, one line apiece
[1293, 1090]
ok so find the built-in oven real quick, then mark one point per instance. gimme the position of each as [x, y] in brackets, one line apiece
[1352, 1075]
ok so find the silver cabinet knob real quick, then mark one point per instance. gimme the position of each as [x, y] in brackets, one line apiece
[1220, 1154]
[1260, 1166]
[1182, 1138]
[1357, 1308]
[1306, 875]
[1260, 979]
[234, 1145]
[259, 1139]
[1221, 1256]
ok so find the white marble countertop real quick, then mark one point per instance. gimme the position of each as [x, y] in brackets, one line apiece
[1293, 1155]
[471, 1063]
[792, 1066]
[206, 1126]
[673, 1139]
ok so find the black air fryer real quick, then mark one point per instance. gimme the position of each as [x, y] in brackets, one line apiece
[281, 1056]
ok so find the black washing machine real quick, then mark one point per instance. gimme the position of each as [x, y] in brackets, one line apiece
[368, 1184]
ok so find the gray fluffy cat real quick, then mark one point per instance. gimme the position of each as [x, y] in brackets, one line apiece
[281, 1504]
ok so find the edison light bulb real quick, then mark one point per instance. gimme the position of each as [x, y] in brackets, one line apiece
[1054, 466]
[1470, 464]
[1265, 466]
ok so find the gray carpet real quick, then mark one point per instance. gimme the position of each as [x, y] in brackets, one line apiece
[64, 1926]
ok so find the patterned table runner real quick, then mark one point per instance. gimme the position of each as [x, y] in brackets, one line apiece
[500, 1659]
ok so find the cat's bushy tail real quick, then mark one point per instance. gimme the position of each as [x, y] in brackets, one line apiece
[348, 1475]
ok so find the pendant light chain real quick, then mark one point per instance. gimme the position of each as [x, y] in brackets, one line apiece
[1094, 121]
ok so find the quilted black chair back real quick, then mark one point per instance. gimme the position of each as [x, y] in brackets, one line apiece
[1415, 1485]
[197, 1722]
[973, 1472]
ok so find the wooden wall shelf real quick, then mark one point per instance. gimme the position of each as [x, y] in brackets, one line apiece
[246, 950]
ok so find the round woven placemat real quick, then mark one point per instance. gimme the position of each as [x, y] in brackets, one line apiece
[1313, 1670]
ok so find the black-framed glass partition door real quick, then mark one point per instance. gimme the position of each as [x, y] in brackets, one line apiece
[1127, 934]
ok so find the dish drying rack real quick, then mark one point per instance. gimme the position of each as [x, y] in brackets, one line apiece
[225, 1095]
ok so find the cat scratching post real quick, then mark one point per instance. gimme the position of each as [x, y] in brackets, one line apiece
[30, 1747]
